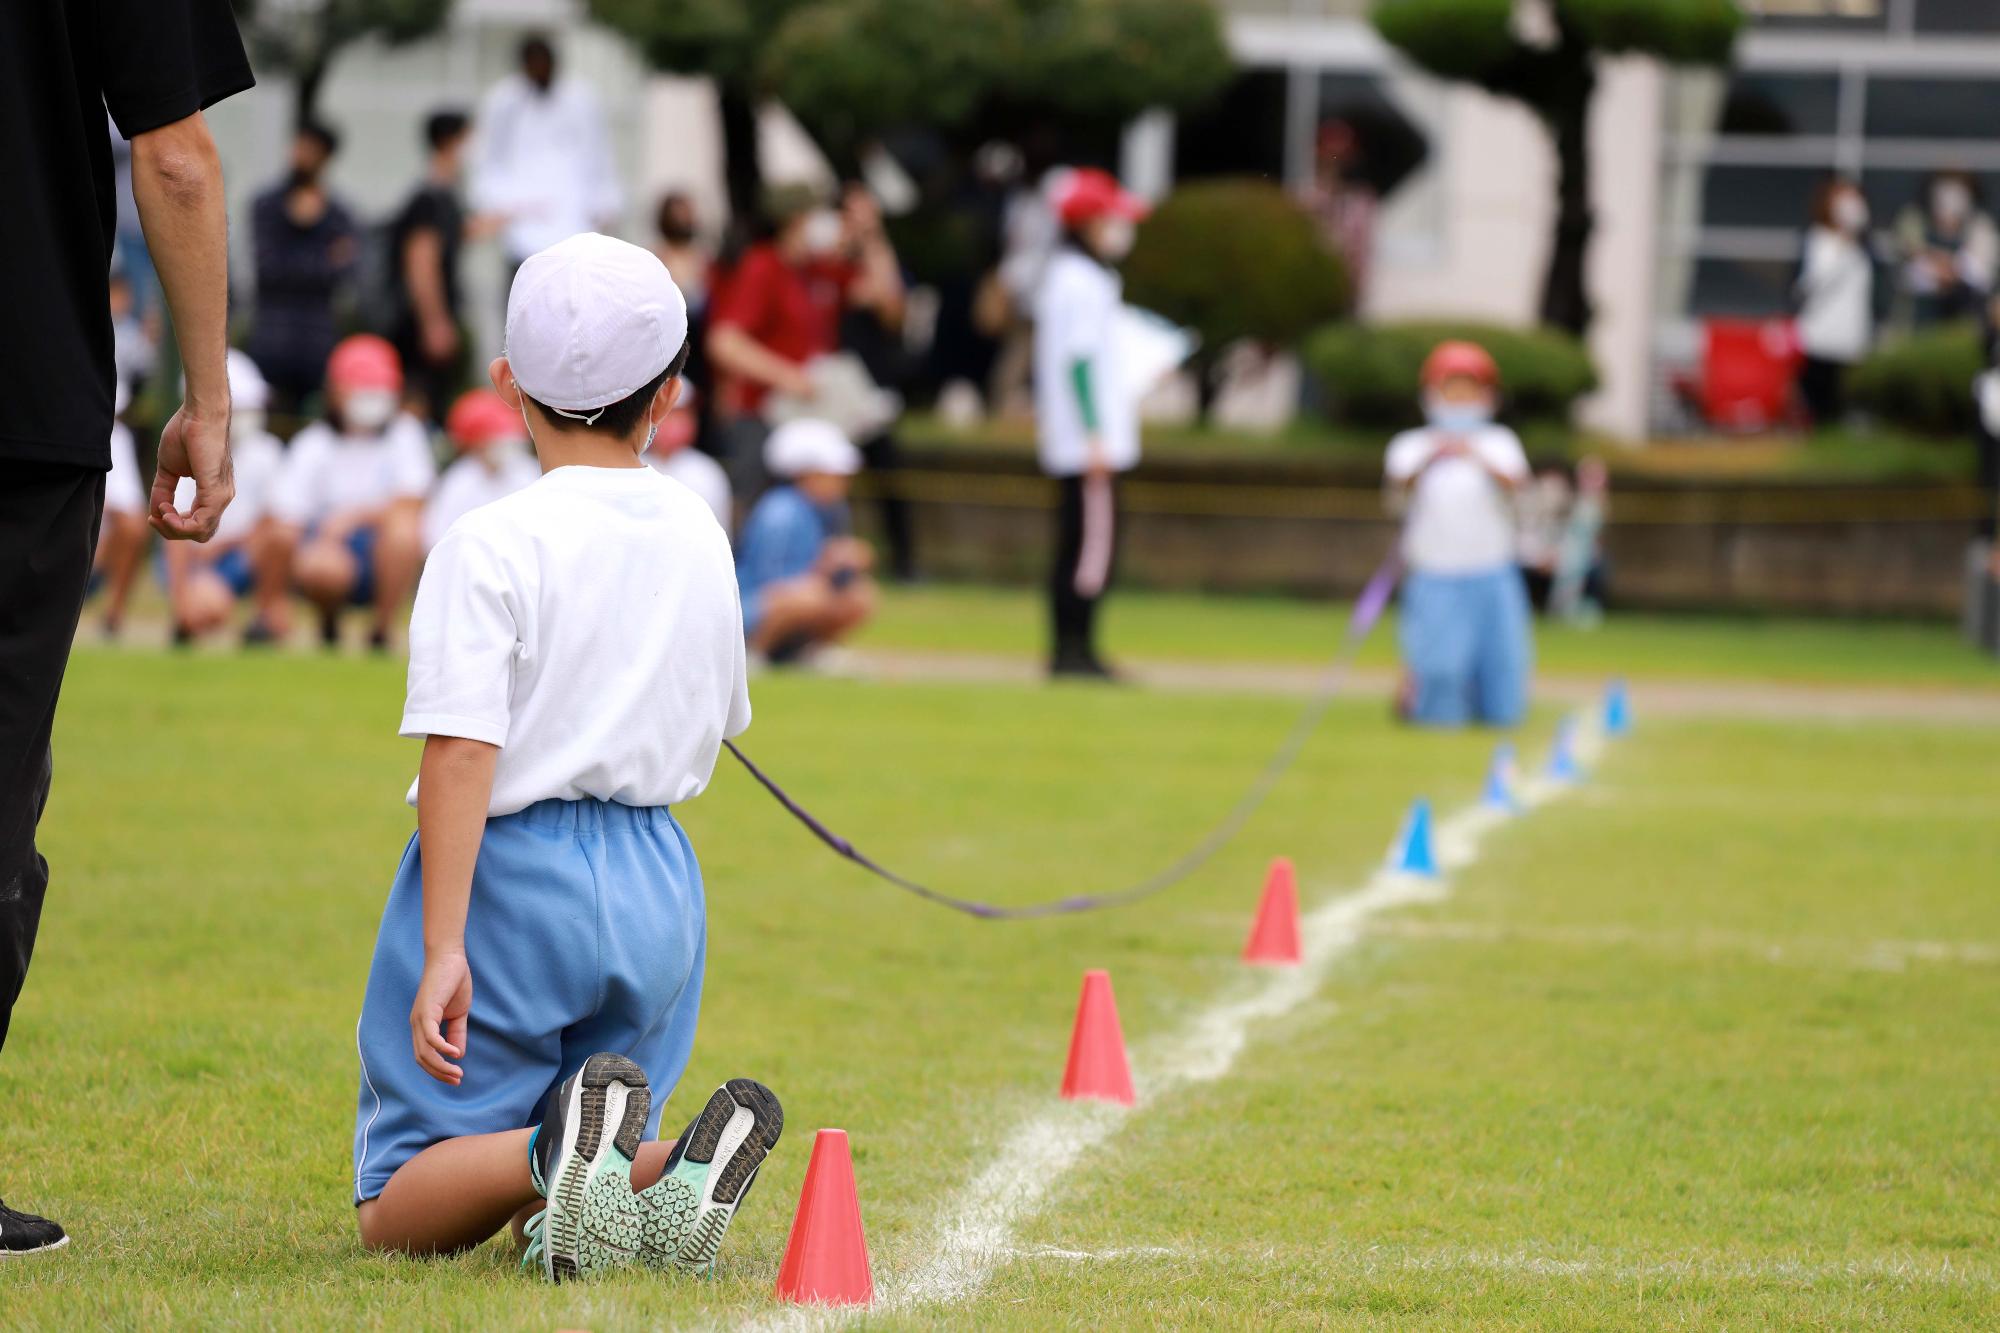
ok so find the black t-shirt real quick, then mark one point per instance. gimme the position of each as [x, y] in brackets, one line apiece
[62, 62]
[435, 208]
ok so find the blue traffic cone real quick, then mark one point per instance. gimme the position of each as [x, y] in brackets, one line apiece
[1617, 710]
[1562, 756]
[1413, 851]
[1499, 794]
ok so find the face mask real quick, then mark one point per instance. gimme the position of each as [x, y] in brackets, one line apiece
[1850, 213]
[1455, 417]
[1951, 201]
[821, 232]
[245, 423]
[368, 410]
[1114, 239]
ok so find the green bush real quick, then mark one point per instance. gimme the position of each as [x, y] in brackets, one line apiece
[1235, 259]
[1922, 381]
[1372, 373]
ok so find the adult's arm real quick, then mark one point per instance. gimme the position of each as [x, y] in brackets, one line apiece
[177, 184]
[734, 351]
[423, 278]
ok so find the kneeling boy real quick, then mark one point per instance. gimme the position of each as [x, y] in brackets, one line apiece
[576, 660]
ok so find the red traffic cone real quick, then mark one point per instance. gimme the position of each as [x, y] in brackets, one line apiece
[1097, 1068]
[826, 1260]
[1274, 936]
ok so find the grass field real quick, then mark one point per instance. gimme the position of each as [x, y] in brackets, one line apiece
[1707, 1043]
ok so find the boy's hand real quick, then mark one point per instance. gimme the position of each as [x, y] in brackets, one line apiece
[437, 1019]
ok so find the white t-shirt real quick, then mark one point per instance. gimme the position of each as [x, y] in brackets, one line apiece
[544, 158]
[701, 474]
[1076, 319]
[258, 460]
[327, 473]
[1836, 292]
[473, 481]
[125, 491]
[1461, 520]
[589, 627]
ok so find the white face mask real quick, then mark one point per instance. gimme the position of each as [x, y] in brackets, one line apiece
[1450, 416]
[1114, 239]
[1850, 213]
[821, 231]
[245, 423]
[367, 411]
[1951, 201]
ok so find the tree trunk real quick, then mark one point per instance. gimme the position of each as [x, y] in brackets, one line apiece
[1566, 112]
[742, 171]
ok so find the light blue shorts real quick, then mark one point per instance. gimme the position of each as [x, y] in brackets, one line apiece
[587, 933]
[1467, 644]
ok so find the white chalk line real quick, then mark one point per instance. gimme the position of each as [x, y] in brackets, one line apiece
[976, 1234]
[1888, 955]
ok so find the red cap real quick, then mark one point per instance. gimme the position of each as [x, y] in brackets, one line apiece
[1086, 193]
[1460, 360]
[479, 418]
[365, 361]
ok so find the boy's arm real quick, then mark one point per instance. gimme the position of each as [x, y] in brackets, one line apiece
[454, 787]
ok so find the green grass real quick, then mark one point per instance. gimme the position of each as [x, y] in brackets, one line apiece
[1645, 1067]
[1194, 628]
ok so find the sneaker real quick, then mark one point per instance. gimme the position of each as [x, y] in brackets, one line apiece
[708, 1174]
[24, 1234]
[259, 634]
[329, 630]
[581, 1162]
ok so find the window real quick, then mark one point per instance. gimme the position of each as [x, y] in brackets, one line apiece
[1777, 197]
[1957, 16]
[1782, 104]
[1743, 288]
[1919, 107]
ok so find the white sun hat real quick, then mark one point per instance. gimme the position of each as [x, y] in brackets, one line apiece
[591, 321]
[806, 445]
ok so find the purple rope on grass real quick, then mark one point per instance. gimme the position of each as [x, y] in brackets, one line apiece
[1368, 608]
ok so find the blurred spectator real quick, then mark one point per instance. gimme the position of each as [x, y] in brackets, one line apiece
[1343, 202]
[1949, 249]
[1086, 412]
[306, 249]
[135, 333]
[1540, 510]
[1835, 297]
[494, 460]
[544, 157]
[425, 241]
[347, 509]
[871, 327]
[673, 453]
[804, 580]
[121, 537]
[1464, 629]
[1986, 392]
[1578, 594]
[129, 250]
[206, 580]
[681, 249]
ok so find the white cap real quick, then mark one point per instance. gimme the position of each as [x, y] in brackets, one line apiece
[590, 321]
[247, 388]
[805, 445]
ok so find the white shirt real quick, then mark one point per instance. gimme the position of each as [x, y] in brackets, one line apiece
[545, 159]
[1460, 519]
[125, 491]
[1076, 319]
[258, 459]
[1836, 293]
[589, 627]
[475, 480]
[701, 474]
[327, 473]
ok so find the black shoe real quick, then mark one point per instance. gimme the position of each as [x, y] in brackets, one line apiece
[24, 1234]
[378, 641]
[183, 636]
[329, 629]
[257, 634]
[1079, 667]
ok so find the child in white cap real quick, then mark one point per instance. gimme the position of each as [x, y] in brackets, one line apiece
[805, 581]
[576, 660]
[121, 538]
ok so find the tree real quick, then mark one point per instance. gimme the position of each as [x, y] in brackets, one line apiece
[1543, 53]
[303, 36]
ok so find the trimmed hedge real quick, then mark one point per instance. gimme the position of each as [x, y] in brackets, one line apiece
[1372, 373]
[1922, 381]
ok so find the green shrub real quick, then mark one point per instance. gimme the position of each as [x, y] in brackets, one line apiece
[1922, 381]
[1372, 373]
[1235, 259]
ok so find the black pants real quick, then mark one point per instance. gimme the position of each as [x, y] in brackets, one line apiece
[882, 458]
[1081, 539]
[48, 533]
[1823, 385]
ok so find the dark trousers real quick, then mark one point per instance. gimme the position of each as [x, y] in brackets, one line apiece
[1087, 540]
[1823, 385]
[48, 534]
[883, 458]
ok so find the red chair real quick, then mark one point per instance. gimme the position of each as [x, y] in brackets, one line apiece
[1748, 368]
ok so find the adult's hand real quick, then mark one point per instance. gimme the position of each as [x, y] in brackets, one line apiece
[195, 447]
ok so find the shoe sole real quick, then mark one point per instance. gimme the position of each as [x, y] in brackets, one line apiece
[39, 1249]
[608, 1093]
[718, 1160]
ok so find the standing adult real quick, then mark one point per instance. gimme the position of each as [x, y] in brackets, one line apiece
[544, 157]
[156, 64]
[425, 241]
[871, 328]
[307, 247]
[1835, 295]
[1950, 249]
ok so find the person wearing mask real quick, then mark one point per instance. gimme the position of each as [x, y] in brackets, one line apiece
[871, 328]
[1835, 298]
[424, 242]
[681, 249]
[805, 582]
[1464, 628]
[1086, 416]
[347, 510]
[673, 453]
[206, 581]
[306, 248]
[494, 460]
[156, 65]
[543, 159]
[1950, 250]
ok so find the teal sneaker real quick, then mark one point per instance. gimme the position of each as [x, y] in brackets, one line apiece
[581, 1162]
[711, 1169]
